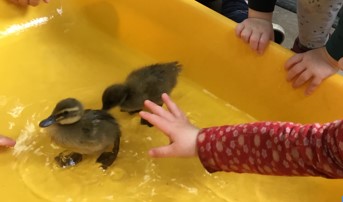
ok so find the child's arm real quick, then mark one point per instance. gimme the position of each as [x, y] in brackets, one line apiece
[318, 64]
[274, 148]
[257, 29]
[271, 148]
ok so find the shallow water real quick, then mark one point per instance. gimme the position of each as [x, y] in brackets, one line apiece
[74, 69]
[134, 176]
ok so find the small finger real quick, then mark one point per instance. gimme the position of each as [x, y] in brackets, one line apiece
[302, 79]
[245, 35]
[295, 71]
[13, 1]
[23, 2]
[254, 41]
[33, 2]
[159, 122]
[158, 110]
[239, 29]
[263, 43]
[312, 86]
[164, 151]
[172, 107]
[295, 59]
[6, 141]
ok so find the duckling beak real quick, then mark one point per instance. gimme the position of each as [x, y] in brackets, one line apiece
[48, 121]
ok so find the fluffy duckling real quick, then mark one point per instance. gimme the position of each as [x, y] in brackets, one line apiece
[82, 132]
[145, 83]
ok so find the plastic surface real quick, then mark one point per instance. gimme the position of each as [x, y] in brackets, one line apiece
[76, 48]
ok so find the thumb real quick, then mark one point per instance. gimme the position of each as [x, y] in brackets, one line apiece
[161, 152]
[6, 141]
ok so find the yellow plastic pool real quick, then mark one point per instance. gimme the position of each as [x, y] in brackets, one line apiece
[76, 48]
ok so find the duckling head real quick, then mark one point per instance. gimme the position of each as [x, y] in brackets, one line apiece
[114, 95]
[67, 111]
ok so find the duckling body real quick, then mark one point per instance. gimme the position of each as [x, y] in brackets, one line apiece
[145, 83]
[83, 132]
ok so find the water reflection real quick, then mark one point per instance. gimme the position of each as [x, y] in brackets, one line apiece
[23, 26]
[32, 23]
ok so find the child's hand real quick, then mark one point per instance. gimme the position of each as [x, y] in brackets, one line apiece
[313, 66]
[6, 141]
[27, 2]
[182, 134]
[257, 30]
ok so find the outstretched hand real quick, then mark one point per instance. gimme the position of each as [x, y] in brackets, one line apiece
[6, 141]
[175, 125]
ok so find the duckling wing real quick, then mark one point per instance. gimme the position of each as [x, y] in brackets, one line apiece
[100, 128]
[151, 81]
[99, 115]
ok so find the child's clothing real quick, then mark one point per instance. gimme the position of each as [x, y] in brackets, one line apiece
[274, 148]
[315, 21]
[335, 44]
[236, 10]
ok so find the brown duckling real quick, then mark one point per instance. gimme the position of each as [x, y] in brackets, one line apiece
[83, 132]
[146, 83]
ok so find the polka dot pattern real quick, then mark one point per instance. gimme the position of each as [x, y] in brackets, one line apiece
[274, 148]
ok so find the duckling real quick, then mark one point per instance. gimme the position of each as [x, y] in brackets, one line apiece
[82, 132]
[148, 82]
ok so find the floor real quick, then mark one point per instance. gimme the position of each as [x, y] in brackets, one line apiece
[288, 20]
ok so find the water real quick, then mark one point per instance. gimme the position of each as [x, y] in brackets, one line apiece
[134, 176]
[63, 67]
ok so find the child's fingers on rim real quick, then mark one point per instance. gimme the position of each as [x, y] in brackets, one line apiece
[295, 71]
[239, 29]
[295, 59]
[263, 42]
[313, 85]
[254, 41]
[302, 79]
[246, 34]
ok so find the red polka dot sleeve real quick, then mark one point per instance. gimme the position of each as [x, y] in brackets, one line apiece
[274, 148]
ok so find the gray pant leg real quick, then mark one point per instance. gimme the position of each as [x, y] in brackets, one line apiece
[315, 19]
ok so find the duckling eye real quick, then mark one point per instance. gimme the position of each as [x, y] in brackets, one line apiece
[65, 113]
